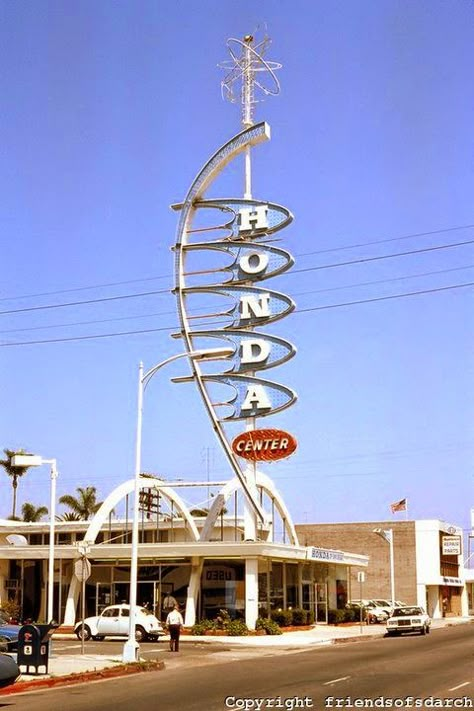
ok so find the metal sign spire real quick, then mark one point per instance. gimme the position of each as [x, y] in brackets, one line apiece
[244, 68]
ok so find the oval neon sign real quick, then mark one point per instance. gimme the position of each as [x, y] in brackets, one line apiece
[264, 445]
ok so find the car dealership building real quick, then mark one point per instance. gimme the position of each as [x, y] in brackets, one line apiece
[204, 561]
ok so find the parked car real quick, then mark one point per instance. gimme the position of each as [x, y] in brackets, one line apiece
[114, 622]
[387, 605]
[8, 637]
[374, 613]
[408, 619]
[9, 671]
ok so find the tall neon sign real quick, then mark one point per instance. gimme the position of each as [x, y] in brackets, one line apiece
[239, 238]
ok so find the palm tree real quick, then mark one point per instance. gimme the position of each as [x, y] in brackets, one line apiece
[69, 516]
[32, 513]
[85, 505]
[14, 472]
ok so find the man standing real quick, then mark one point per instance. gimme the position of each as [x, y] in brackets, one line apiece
[169, 603]
[174, 622]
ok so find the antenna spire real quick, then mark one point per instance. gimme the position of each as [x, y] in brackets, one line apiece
[247, 60]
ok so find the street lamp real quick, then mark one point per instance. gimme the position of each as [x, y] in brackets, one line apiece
[388, 537]
[32, 460]
[131, 646]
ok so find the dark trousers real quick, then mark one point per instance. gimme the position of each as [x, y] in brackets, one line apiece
[174, 637]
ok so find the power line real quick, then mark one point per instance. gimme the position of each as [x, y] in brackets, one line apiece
[81, 303]
[293, 271]
[378, 281]
[87, 323]
[84, 288]
[302, 254]
[170, 313]
[297, 311]
[363, 260]
[390, 239]
[385, 298]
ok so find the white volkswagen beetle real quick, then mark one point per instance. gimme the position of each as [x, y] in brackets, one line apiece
[114, 622]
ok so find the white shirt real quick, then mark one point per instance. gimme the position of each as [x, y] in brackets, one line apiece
[175, 618]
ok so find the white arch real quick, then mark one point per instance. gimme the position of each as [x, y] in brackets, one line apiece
[264, 482]
[101, 517]
[126, 488]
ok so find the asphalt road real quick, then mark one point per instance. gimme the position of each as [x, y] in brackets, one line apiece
[438, 666]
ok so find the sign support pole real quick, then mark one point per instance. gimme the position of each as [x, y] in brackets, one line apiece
[83, 610]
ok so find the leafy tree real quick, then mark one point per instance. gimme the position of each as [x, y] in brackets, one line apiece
[33, 513]
[14, 472]
[84, 505]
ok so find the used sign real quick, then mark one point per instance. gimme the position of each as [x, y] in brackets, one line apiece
[264, 445]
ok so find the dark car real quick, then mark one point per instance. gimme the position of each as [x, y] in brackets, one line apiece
[9, 671]
[9, 637]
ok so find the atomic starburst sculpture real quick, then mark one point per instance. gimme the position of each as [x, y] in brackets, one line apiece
[243, 80]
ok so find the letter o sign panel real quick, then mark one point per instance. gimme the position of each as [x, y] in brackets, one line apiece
[264, 445]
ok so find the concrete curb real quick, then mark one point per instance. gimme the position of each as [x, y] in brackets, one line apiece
[49, 682]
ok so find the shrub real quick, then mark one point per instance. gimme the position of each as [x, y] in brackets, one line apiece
[270, 626]
[11, 609]
[349, 615]
[237, 628]
[201, 627]
[299, 617]
[335, 617]
[310, 617]
[283, 618]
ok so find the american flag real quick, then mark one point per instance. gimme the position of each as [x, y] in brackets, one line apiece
[399, 506]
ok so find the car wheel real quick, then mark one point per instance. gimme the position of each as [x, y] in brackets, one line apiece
[428, 629]
[98, 637]
[140, 634]
[83, 632]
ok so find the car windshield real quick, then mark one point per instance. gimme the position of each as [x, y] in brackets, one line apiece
[407, 611]
[381, 603]
[145, 611]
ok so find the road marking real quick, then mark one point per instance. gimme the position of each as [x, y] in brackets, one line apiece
[465, 683]
[334, 681]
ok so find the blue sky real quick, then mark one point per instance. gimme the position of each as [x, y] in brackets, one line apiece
[109, 111]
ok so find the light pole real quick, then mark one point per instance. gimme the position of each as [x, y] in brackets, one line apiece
[32, 460]
[388, 537]
[131, 646]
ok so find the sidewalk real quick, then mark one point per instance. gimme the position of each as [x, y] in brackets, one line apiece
[62, 665]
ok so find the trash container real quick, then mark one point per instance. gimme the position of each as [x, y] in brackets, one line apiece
[33, 646]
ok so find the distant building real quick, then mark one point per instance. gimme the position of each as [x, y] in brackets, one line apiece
[428, 561]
